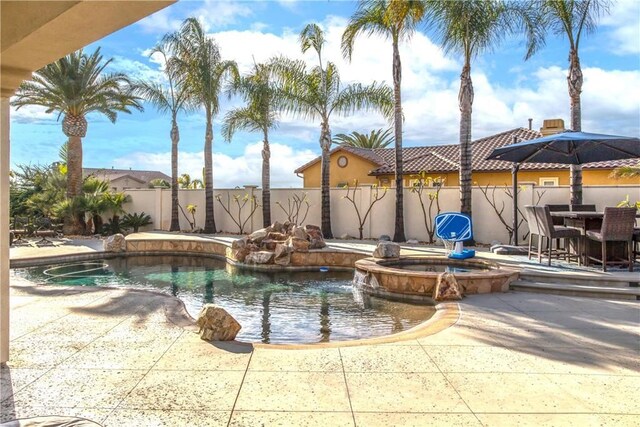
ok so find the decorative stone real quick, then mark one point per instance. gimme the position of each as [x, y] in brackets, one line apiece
[298, 245]
[239, 243]
[240, 254]
[282, 255]
[276, 226]
[447, 288]
[316, 241]
[387, 250]
[115, 243]
[346, 236]
[312, 227]
[385, 238]
[413, 242]
[259, 235]
[216, 324]
[269, 245]
[298, 232]
[260, 257]
[252, 247]
[274, 235]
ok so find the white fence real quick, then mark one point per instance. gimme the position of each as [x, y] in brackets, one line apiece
[486, 223]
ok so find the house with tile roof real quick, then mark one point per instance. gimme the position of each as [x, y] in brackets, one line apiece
[440, 162]
[123, 179]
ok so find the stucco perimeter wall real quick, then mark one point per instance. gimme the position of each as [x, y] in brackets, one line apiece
[487, 224]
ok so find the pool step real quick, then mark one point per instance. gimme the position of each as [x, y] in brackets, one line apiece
[622, 280]
[591, 291]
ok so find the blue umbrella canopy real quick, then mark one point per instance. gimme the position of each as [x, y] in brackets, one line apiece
[570, 148]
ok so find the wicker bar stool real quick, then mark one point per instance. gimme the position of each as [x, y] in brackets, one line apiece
[617, 226]
[550, 231]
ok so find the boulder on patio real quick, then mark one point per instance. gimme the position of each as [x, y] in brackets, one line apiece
[115, 243]
[387, 250]
[216, 324]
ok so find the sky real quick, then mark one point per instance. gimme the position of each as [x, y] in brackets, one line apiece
[508, 90]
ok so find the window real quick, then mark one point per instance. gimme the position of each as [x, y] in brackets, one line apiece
[549, 182]
[343, 161]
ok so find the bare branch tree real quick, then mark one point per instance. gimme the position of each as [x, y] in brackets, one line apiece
[376, 198]
[295, 205]
[240, 203]
[420, 186]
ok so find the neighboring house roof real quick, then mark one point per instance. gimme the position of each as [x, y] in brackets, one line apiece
[444, 158]
[141, 176]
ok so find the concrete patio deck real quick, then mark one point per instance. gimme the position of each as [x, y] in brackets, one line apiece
[128, 357]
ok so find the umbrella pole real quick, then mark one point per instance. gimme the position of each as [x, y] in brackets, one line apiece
[514, 180]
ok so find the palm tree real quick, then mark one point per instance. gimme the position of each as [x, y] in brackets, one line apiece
[469, 28]
[185, 181]
[198, 59]
[170, 97]
[317, 93]
[570, 18]
[258, 115]
[395, 20]
[75, 86]
[376, 139]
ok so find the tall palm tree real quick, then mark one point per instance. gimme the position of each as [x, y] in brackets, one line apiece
[395, 20]
[198, 59]
[185, 181]
[317, 93]
[75, 86]
[259, 115]
[469, 28]
[169, 97]
[571, 19]
[376, 139]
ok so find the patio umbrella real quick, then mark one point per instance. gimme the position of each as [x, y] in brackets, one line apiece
[570, 148]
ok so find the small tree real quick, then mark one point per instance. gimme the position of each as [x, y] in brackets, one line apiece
[240, 203]
[420, 187]
[294, 207]
[499, 210]
[376, 198]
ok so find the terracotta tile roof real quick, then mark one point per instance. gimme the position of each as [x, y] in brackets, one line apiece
[109, 174]
[444, 158]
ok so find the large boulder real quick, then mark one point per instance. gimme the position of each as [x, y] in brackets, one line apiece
[298, 245]
[216, 324]
[115, 243]
[260, 257]
[316, 239]
[387, 250]
[259, 235]
[274, 235]
[239, 243]
[447, 288]
[299, 233]
[282, 255]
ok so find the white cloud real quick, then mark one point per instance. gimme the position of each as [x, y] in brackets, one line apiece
[228, 171]
[623, 25]
[160, 22]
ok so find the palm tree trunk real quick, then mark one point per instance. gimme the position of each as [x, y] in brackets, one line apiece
[574, 80]
[465, 102]
[398, 235]
[325, 144]
[209, 221]
[74, 224]
[266, 182]
[175, 138]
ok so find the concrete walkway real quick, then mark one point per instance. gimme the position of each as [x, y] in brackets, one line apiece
[129, 358]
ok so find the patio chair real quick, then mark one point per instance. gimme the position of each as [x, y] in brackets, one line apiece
[550, 231]
[558, 208]
[20, 229]
[45, 229]
[583, 208]
[617, 226]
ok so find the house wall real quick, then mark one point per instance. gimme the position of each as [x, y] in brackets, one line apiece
[589, 177]
[488, 226]
[357, 167]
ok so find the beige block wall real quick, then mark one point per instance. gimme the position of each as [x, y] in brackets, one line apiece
[486, 223]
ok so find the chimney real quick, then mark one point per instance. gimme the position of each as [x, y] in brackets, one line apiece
[551, 126]
[530, 123]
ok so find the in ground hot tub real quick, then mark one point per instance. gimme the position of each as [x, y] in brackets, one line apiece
[416, 278]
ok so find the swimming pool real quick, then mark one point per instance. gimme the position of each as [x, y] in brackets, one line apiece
[282, 307]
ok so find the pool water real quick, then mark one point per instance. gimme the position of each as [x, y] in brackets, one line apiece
[291, 307]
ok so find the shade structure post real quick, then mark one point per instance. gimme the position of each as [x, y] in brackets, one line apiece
[514, 181]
